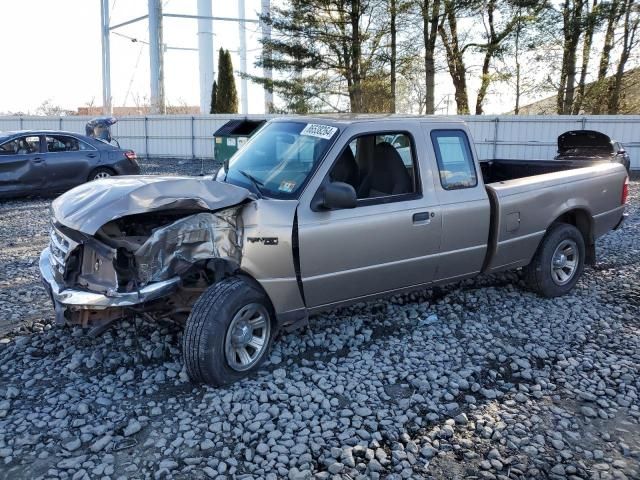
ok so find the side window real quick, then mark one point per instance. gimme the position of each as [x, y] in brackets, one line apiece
[378, 166]
[9, 148]
[454, 158]
[61, 143]
[21, 146]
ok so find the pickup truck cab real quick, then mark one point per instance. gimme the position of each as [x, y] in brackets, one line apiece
[314, 213]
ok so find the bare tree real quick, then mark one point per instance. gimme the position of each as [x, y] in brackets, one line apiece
[393, 14]
[49, 109]
[448, 30]
[430, 13]
[513, 14]
[629, 41]
[592, 18]
[572, 23]
[614, 12]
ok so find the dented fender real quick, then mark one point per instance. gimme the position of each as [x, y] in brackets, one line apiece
[173, 249]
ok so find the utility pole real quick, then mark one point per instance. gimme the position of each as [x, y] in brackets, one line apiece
[106, 58]
[267, 72]
[156, 60]
[205, 53]
[205, 44]
[242, 28]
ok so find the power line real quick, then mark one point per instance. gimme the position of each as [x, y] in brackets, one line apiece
[132, 39]
[133, 75]
[113, 6]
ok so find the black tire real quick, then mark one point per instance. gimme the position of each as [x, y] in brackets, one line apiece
[541, 276]
[207, 330]
[102, 172]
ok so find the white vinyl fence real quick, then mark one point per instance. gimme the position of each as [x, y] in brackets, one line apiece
[507, 136]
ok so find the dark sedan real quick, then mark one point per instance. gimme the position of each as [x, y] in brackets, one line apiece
[591, 146]
[41, 161]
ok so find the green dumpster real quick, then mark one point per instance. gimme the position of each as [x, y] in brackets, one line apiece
[232, 136]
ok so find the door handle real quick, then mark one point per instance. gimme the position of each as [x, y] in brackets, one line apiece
[91, 155]
[422, 217]
[38, 160]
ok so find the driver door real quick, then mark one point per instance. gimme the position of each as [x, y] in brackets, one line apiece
[22, 168]
[386, 243]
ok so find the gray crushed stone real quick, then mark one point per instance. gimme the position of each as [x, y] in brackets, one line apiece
[480, 379]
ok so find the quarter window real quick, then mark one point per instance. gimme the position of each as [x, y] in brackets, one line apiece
[59, 143]
[454, 158]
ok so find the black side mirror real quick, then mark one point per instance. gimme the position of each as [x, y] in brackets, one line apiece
[622, 151]
[335, 196]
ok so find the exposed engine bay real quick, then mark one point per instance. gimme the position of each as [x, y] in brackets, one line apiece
[155, 247]
[132, 252]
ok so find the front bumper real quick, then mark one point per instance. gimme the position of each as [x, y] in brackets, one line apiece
[85, 300]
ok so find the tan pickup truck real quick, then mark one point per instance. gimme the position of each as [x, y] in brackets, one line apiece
[313, 213]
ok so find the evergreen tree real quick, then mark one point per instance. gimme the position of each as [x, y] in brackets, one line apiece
[323, 53]
[226, 93]
[214, 94]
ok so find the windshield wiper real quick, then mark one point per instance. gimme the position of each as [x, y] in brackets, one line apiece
[254, 181]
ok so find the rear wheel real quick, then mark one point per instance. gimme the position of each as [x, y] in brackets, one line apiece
[228, 333]
[558, 263]
[99, 173]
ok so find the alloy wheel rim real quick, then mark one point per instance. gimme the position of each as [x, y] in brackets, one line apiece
[564, 262]
[101, 175]
[247, 337]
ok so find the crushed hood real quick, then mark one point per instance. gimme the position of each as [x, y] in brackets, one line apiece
[88, 207]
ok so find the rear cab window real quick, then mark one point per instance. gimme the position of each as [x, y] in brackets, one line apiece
[455, 162]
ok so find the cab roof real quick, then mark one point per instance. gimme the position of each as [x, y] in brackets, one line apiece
[353, 118]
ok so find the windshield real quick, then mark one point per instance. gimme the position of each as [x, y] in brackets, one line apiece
[279, 159]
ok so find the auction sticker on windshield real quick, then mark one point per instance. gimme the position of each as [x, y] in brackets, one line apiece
[287, 186]
[319, 131]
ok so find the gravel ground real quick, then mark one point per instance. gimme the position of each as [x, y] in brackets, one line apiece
[480, 379]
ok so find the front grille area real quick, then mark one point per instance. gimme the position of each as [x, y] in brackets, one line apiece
[60, 246]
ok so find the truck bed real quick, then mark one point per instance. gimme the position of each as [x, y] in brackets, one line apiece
[527, 196]
[494, 171]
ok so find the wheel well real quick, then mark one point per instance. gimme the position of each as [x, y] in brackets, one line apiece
[582, 220]
[92, 173]
[216, 270]
[256, 285]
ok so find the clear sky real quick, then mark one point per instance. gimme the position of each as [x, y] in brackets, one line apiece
[51, 50]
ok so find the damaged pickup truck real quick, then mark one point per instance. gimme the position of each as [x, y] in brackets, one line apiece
[314, 213]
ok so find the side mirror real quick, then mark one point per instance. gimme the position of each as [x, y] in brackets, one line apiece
[622, 151]
[336, 196]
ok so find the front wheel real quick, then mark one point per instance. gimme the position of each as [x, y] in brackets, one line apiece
[227, 334]
[558, 263]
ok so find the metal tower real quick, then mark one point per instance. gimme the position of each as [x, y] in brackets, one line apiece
[205, 51]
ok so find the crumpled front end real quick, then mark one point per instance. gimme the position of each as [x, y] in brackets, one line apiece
[134, 262]
[174, 249]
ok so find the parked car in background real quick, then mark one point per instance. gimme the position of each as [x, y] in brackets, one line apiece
[590, 146]
[44, 161]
